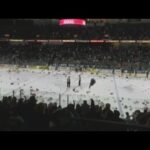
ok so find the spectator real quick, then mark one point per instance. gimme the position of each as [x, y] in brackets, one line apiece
[128, 117]
[108, 113]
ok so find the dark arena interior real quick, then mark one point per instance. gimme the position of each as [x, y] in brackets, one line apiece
[74, 75]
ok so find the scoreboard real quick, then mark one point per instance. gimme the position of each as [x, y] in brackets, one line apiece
[80, 22]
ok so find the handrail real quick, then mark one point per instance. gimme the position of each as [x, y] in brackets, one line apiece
[117, 125]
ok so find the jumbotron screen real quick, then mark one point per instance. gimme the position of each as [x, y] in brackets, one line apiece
[81, 22]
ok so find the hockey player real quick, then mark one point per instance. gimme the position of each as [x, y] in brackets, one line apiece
[92, 82]
[113, 71]
[122, 72]
[68, 82]
[79, 80]
[76, 69]
[135, 72]
[147, 73]
[129, 72]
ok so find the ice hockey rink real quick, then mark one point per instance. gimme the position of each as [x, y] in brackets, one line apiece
[124, 94]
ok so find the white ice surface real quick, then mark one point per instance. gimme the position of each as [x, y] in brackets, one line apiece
[128, 94]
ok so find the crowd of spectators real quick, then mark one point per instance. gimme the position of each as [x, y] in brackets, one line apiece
[126, 31]
[121, 31]
[98, 55]
[28, 115]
